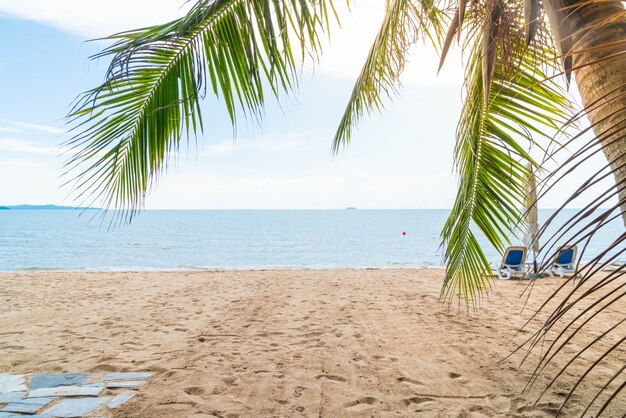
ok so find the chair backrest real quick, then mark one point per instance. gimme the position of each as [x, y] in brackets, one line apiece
[514, 256]
[566, 255]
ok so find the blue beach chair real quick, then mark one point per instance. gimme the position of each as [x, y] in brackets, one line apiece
[513, 261]
[564, 262]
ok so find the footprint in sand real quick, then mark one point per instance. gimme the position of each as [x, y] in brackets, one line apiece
[359, 337]
[297, 391]
[229, 380]
[416, 400]
[500, 403]
[104, 367]
[360, 404]
[196, 391]
[410, 381]
[359, 360]
[383, 358]
[458, 378]
[332, 377]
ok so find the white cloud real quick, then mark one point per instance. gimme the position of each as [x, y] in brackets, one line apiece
[33, 126]
[350, 44]
[18, 164]
[266, 143]
[27, 147]
[333, 189]
[343, 58]
[95, 18]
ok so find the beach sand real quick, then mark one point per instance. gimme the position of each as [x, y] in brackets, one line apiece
[314, 343]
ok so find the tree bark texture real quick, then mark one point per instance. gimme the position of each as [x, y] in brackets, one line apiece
[592, 36]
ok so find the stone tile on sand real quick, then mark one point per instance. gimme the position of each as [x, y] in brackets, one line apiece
[27, 406]
[76, 407]
[127, 384]
[40, 381]
[85, 390]
[7, 397]
[120, 399]
[12, 383]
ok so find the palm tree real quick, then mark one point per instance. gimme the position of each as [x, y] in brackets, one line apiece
[592, 40]
[246, 50]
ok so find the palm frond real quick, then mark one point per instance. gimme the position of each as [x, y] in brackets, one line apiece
[491, 156]
[127, 128]
[585, 330]
[583, 327]
[404, 22]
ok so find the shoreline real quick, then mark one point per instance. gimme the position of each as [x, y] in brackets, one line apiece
[216, 270]
[44, 270]
[331, 343]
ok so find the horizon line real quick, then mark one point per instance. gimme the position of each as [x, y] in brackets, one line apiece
[69, 207]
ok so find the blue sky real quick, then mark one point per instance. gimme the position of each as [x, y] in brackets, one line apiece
[399, 159]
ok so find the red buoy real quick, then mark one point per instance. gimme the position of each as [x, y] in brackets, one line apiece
[403, 233]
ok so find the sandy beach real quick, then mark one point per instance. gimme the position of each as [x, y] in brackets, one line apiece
[323, 343]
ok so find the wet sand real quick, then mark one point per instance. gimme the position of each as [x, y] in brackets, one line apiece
[314, 343]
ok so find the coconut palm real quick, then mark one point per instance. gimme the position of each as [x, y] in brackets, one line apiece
[516, 53]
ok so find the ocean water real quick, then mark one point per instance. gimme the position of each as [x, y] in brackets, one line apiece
[231, 239]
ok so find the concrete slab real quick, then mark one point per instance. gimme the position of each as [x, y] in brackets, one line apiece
[40, 381]
[7, 397]
[127, 376]
[86, 390]
[20, 388]
[35, 416]
[120, 399]
[11, 383]
[77, 407]
[128, 384]
[27, 406]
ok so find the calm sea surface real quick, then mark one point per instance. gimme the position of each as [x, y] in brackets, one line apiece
[230, 239]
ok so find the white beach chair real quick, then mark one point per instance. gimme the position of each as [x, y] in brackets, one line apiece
[564, 262]
[513, 262]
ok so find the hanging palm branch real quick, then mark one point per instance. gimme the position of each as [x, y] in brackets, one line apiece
[491, 157]
[584, 330]
[404, 24]
[587, 328]
[241, 51]
[587, 314]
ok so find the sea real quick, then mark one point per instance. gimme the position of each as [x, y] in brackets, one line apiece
[42, 240]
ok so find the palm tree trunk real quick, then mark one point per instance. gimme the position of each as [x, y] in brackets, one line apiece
[600, 73]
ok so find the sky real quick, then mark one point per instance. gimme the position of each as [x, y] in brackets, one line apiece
[401, 158]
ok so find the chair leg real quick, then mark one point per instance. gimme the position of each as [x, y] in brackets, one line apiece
[504, 274]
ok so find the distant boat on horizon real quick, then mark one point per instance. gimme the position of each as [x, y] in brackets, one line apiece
[351, 208]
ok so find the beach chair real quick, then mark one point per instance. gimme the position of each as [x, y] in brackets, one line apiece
[513, 261]
[565, 261]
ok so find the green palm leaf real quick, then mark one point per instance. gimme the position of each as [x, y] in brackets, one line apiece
[129, 126]
[490, 157]
[404, 23]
